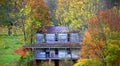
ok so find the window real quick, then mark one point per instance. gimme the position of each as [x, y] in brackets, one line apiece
[68, 51]
[62, 38]
[50, 38]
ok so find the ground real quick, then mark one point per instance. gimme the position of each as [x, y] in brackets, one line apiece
[8, 44]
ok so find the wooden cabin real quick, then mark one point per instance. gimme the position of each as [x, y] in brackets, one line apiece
[57, 43]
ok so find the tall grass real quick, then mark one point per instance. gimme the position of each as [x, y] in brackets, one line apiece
[7, 46]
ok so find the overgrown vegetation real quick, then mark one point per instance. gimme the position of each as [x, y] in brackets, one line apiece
[20, 19]
[7, 46]
[101, 42]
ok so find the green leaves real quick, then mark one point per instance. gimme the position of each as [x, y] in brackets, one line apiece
[75, 12]
[112, 51]
[110, 58]
[103, 38]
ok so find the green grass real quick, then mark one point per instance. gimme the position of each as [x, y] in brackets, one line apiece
[7, 46]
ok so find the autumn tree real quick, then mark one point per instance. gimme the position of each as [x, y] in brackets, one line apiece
[76, 12]
[38, 16]
[27, 14]
[101, 40]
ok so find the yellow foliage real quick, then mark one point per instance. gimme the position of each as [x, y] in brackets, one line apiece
[80, 62]
[116, 42]
[88, 62]
[72, 12]
[80, 2]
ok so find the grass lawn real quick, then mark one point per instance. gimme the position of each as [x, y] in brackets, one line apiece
[7, 46]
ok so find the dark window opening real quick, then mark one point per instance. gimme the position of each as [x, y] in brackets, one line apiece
[47, 53]
[68, 37]
[56, 51]
[56, 39]
[68, 51]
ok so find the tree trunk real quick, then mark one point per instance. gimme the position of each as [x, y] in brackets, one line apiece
[9, 30]
[31, 36]
[104, 63]
[24, 33]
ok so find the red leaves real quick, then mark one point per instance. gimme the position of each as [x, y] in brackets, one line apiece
[100, 44]
[108, 18]
[102, 28]
[84, 51]
[21, 51]
[91, 51]
[93, 20]
[90, 47]
[32, 3]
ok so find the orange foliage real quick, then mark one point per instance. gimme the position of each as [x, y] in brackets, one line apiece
[87, 37]
[89, 47]
[107, 17]
[32, 3]
[101, 43]
[93, 20]
[100, 27]
[91, 51]
[84, 51]
[21, 51]
[40, 11]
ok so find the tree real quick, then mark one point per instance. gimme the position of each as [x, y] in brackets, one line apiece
[40, 11]
[28, 14]
[76, 12]
[39, 16]
[10, 11]
[3, 20]
[101, 40]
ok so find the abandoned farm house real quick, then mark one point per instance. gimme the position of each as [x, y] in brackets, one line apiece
[57, 43]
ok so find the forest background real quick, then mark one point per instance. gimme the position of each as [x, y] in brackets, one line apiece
[20, 20]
